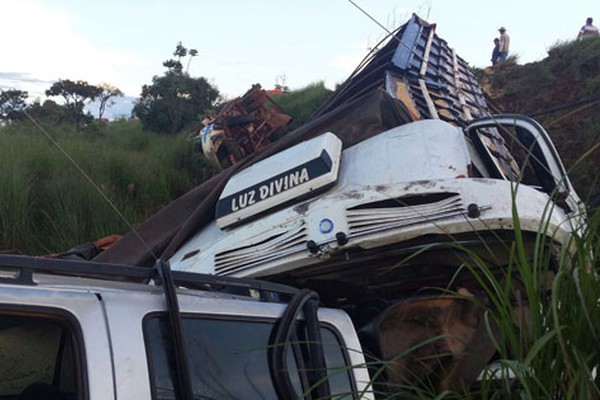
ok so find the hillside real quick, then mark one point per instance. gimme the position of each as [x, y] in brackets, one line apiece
[562, 92]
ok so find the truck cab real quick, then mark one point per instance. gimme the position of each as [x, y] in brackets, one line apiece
[370, 205]
[81, 330]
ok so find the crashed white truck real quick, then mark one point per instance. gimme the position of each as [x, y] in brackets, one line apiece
[373, 202]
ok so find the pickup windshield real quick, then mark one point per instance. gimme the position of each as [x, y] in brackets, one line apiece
[228, 358]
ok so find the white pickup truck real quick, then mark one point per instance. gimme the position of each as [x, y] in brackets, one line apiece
[80, 330]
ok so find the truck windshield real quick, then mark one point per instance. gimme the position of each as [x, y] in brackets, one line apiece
[228, 359]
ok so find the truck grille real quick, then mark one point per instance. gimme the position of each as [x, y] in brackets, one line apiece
[402, 212]
[250, 253]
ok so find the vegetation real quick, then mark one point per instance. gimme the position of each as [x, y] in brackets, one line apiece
[174, 100]
[75, 95]
[47, 205]
[544, 317]
[171, 103]
[12, 103]
[107, 93]
[302, 103]
[60, 164]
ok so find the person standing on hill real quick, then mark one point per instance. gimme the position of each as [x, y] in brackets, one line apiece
[588, 30]
[504, 44]
[496, 51]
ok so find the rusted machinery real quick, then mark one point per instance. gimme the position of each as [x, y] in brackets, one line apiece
[243, 126]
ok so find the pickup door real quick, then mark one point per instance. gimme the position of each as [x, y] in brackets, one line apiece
[53, 344]
[226, 342]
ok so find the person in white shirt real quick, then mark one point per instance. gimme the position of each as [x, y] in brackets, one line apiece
[504, 44]
[588, 30]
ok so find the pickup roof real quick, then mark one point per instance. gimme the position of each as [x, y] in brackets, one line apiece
[82, 330]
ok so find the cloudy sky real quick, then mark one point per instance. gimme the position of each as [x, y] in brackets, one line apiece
[241, 42]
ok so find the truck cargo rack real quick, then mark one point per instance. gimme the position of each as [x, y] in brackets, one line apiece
[417, 67]
[23, 268]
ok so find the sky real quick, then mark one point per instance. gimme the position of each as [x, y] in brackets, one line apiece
[242, 42]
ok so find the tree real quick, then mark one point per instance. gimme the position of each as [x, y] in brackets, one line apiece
[280, 84]
[193, 53]
[175, 99]
[50, 113]
[108, 92]
[75, 95]
[12, 104]
[180, 52]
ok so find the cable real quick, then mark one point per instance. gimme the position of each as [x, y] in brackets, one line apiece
[590, 100]
[91, 181]
[370, 17]
[390, 33]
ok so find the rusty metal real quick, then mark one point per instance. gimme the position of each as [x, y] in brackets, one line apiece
[248, 124]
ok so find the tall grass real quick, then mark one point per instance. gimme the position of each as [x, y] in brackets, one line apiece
[542, 311]
[550, 348]
[302, 103]
[48, 205]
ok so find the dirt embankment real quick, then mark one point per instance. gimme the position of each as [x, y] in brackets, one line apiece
[562, 92]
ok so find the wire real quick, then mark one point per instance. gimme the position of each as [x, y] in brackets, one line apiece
[589, 101]
[439, 70]
[91, 181]
[370, 17]
[390, 33]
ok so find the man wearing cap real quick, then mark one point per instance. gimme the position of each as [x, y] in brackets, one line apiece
[504, 44]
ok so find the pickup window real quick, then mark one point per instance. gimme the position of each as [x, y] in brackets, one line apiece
[36, 358]
[228, 358]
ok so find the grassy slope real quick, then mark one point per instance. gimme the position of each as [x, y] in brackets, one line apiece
[302, 103]
[47, 205]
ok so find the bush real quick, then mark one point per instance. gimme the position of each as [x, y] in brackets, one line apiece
[302, 103]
